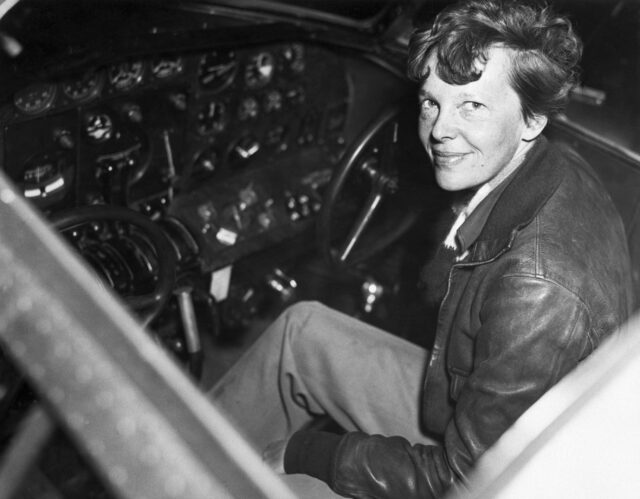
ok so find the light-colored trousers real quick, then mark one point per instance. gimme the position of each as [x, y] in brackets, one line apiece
[314, 361]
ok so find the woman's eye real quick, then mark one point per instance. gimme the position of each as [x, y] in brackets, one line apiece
[427, 106]
[472, 106]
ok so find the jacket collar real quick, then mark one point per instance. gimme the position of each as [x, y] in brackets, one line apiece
[531, 186]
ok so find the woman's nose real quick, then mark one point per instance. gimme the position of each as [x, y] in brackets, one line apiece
[445, 125]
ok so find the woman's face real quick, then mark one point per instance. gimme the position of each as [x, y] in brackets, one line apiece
[474, 133]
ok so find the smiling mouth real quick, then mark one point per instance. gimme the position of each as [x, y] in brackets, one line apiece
[447, 160]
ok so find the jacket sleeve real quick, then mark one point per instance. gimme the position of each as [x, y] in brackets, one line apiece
[532, 332]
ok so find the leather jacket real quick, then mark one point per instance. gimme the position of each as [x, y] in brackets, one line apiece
[545, 282]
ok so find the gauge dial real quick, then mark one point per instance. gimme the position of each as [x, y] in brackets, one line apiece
[167, 67]
[39, 174]
[46, 177]
[207, 161]
[125, 75]
[295, 95]
[217, 69]
[248, 108]
[212, 117]
[84, 88]
[259, 70]
[273, 101]
[98, 127]
[294, 57]
[35, 98]
[244, 149]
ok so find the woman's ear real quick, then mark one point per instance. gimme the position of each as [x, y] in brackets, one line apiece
[534, 127]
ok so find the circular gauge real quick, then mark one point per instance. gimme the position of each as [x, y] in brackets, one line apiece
[243, 150]
[294, 57]
[98, 127]
[167, 67]
[35, 98]
[276, 137]
[248, 108]
[46, 177]
[217, 69]
[207, 161]
[212, 117]
[273, 101]
[295, 95]
[84, 88]
[259, 70]
[125, 75]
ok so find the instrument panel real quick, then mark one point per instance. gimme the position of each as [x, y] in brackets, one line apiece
[143, 128]
[234, 142]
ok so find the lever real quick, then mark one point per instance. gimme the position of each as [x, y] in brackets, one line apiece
[190, 327]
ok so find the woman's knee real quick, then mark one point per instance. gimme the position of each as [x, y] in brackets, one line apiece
[303, 319]
[301, 311]
[290, 319]
[295, 317]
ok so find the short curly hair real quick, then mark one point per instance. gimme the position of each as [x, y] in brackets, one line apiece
[545, 58]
